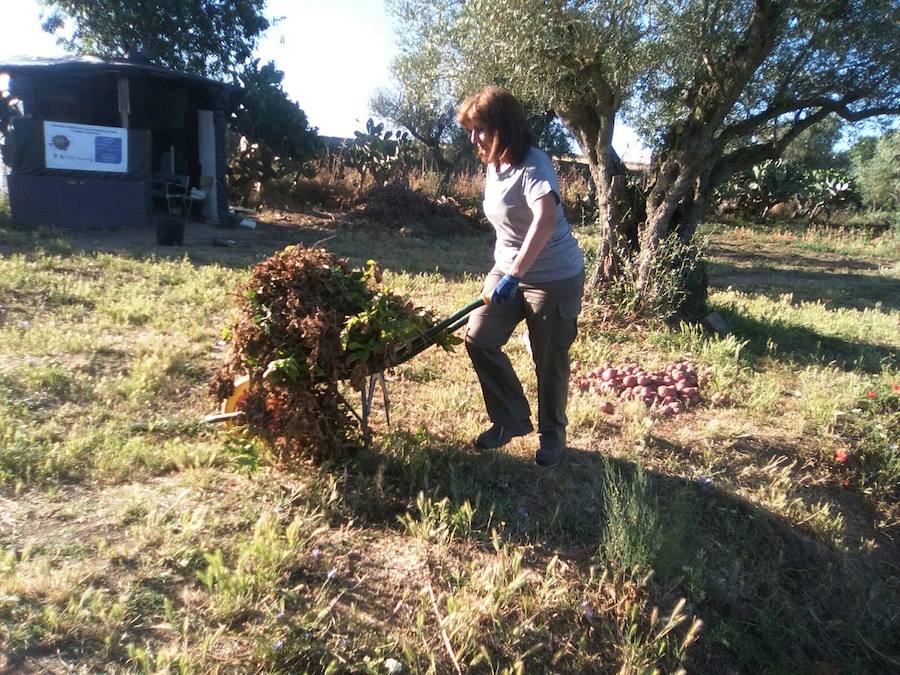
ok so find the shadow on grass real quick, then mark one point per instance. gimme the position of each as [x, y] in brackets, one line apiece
[806, 346]
[772, 598]
[837, 289]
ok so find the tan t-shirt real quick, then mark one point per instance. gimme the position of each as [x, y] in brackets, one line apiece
[508, 196]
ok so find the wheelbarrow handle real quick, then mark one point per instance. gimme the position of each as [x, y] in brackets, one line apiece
[448, 325]
[441, 326]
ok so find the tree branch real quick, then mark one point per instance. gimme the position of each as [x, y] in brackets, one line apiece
[840, 108]
[750, 155]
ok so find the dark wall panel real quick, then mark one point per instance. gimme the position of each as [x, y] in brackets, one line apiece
[77, 202]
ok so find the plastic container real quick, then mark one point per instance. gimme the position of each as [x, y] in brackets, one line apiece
[169, 231]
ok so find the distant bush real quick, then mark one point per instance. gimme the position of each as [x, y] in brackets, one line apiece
[879, 175]
[275, 139]
[382, 155]
[877, 221]
[812, 192]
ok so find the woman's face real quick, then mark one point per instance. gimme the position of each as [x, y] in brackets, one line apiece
[482, 139]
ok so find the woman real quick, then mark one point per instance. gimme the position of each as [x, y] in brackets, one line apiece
[538, 276]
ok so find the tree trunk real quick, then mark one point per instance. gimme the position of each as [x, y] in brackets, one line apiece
[612, 242]
[594, 133]
[633, 221]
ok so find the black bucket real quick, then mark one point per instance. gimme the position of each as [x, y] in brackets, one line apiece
[169, 231]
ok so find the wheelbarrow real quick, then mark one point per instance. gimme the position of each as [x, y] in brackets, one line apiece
[230, 410]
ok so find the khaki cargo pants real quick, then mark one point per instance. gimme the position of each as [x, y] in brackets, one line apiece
[550, 311]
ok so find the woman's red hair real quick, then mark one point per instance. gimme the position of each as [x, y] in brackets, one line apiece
[501, 114]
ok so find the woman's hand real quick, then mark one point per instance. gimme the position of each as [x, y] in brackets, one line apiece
[505, 290]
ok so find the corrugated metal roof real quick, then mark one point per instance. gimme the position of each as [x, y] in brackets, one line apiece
[93, 64]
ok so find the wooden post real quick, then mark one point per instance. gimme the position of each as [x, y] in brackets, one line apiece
[124, 100]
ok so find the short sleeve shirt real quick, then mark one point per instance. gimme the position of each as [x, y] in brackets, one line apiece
[508, 197]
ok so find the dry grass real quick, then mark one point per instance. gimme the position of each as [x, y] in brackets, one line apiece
[136, 538]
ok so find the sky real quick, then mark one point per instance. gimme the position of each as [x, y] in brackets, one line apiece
[334, 54]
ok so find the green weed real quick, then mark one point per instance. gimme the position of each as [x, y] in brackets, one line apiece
[631, 535]
[439, 522]
[259, 563]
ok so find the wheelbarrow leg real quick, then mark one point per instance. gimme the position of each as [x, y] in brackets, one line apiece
[384, 397]
[367, 394]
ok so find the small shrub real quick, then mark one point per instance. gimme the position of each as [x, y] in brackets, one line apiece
[677, 286]
[577, 195]
[427, 182]
[468, 186]
[632, 535]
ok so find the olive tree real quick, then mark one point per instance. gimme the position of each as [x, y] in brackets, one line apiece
[421, 103]
[421, 97]
[426, 90]
[714, 88]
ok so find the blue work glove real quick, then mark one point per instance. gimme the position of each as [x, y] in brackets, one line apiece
[505, 289]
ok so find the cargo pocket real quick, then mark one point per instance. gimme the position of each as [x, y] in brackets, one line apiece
[566, 328]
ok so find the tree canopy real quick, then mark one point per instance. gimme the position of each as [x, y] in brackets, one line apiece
[279, 138]
[425, 91]
[814, 147]
[207, 37]
[714, 87]
[421, 102]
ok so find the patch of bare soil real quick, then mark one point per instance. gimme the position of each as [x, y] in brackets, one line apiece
[264, 236]
[73, 516]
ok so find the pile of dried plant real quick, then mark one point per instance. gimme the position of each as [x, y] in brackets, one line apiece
[306, 322]
[397, 206]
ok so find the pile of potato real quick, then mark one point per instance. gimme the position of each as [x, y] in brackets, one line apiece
[670, 390]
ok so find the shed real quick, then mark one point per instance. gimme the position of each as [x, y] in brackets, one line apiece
[110, 143]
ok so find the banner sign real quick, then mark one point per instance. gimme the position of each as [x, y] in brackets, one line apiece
[83, 147]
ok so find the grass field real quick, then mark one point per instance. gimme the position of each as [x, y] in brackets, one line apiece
[760, 536]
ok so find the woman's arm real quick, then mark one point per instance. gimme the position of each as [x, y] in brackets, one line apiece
[542, 224]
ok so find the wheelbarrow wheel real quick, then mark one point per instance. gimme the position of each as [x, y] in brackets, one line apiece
[235, 402]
